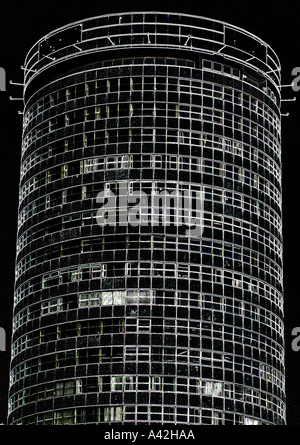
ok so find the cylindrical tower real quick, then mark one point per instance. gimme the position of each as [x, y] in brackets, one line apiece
[145, 323]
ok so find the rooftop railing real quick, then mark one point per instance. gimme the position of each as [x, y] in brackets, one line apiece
[108, 33]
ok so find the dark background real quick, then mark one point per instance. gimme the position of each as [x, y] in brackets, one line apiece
[23, 23]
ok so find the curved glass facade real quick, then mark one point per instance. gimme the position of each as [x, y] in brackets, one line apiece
[149, 323]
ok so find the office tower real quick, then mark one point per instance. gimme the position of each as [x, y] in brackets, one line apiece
[152, 322]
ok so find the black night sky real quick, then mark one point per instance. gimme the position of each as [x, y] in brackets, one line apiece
[23, 23]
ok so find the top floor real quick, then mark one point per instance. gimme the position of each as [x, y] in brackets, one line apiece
[115, 33]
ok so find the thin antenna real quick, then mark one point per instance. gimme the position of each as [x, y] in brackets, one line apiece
[27, 69]
[219, 50]
[272, 71]
[77, 47]
[16, 83]
[189, 36]
[111, 40]
[51, 58]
